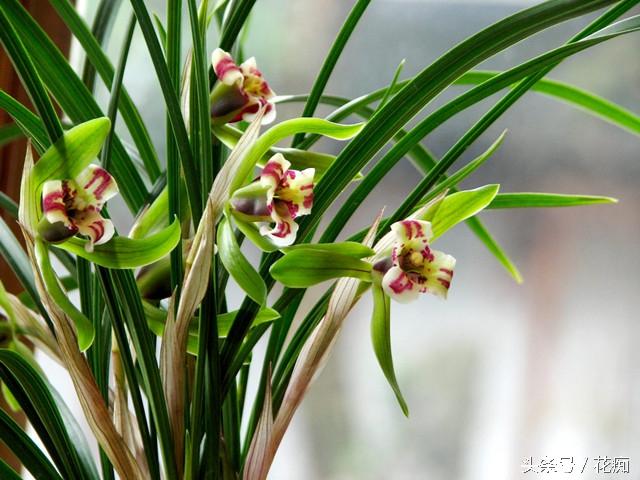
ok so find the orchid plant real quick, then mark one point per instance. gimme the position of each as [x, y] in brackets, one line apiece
[158, 357]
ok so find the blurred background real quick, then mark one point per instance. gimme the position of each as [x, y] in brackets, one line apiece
[499, 375]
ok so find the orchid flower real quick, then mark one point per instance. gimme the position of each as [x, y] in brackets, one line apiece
[276, 199]
[413, 267]
[73, 206]
[240, 92]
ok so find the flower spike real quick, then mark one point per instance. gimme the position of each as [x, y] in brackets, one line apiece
[240, 92]
[73, 206]
[276, 199]
[413, 266]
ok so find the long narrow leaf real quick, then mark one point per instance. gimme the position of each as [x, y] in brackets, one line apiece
[101, 62]
[73, 96]
[25, 450]
[32, 392]
[9, 133]
[330, 61]
[23, 64]
[173, 104]
[430, 82]
[546, 200]
[571, 95]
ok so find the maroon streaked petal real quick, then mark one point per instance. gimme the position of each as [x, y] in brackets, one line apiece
[439, 273]
[57, 198]
[225, 68]
[97, 185]
[400, 286]
[274, 172]
[93, 225]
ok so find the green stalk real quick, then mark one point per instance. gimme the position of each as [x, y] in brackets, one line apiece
[279, 332]
[99, 60]
[176, 121]
[102, 23]
[124, 291]
[428, 84]
[206, 384]
[118, 315]
[173, 48]
[492, 115]
[30, 79]
[330, 62]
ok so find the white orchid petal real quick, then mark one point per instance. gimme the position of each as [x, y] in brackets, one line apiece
[97, 185]
[412, 229]
[399, 286]
[225, 68]
[439, 273]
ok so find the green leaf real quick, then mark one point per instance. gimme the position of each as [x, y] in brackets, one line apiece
[10, 400]
[381, 340]
[350, 249]
[171, 39]
[571, 95]
[34, 395]
[153, 170]
[392, 86]
[428, 84]
[330, 61]
[98, 58]
[29, 123]
[125, 308]
[75, 432]
[124, 252]
[101, 28]
[71, 154]
[162, 32]
[13, 254]
[464, 172]
[409, 141]
[283, 130]
[264, 315]
[237, 265]
[459, 206]
[173, 105]
[9, 133]
[84, 326]
[24, 66]
[546, 200]
[157, 318]
[27, 452]
[8, 205]
[235, 22]
[123, 305]
[73, 96]
[7, 472]
[306, 267]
